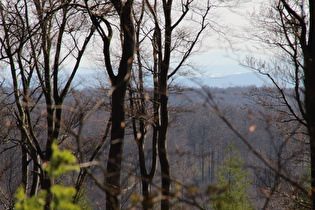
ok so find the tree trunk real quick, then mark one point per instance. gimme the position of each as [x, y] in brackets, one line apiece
[310, 114]
[309, 80]
[164, 162]
[311, 131]
[119, 86]
[116, 147]
[35, 181]
[24, 167]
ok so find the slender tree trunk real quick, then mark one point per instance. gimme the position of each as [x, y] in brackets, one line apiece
[162, 150]
[35, 176]
[146, 177]
[163, 91]
[24, 167]
[116, 147]
[119, 86]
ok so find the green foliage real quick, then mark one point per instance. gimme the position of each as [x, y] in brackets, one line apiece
[61, 162]
[63, 198]
[232, 178]
[33, 203]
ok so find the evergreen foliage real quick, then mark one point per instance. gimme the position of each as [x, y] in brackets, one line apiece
[233, 178]
[61, 162]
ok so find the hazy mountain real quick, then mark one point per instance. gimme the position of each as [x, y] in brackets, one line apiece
[242, 79]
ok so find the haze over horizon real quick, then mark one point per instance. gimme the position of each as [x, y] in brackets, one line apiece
[219, 69]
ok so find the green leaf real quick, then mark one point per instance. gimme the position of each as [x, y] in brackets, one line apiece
[33, 203]
[61, 162]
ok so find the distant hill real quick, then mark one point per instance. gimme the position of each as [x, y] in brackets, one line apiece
[234, 80]
[226, 81]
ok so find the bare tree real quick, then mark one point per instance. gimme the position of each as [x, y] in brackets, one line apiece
[143, 115]
[37, 39]
[119, 83]
[168, 39]
[288, 29]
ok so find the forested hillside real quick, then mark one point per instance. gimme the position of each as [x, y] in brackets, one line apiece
[198, 145]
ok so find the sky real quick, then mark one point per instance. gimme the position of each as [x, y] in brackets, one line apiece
[222, 52]
[222, 59]
[218, 61]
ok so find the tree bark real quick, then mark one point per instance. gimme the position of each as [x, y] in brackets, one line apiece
[116, 147]
[119, 86]
[309, 81]
[307, 45]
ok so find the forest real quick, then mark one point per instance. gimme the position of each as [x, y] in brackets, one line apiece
[129, 136]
